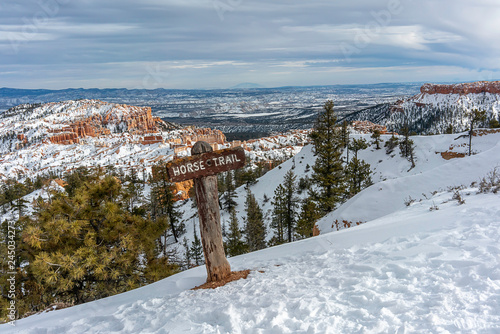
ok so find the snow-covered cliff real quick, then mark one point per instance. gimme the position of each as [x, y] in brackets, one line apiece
[439, 106]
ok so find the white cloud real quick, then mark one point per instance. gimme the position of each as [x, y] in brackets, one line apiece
[303, 39]
[414, 37]
[201, 64]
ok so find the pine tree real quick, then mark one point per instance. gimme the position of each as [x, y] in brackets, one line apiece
[291, 202]
[357, 145]
[238, 177]
[255, 229]
[28, 185]
[345, 133]
[376, 138]
[494, 124]
[345, 138]
[391, 144]
[187, 254]
[308, 217]
[245, 176]
[196, 249]
[407, 147]
[358, 176]
[234, 241]
[20, 205]
[328, 173]
[163, 240]
[278, 221]
[134, 189]
[357, 171]
[76, 179]
[284, 212]
[89, 246]
[229, 194]
[475, 116]
[162, 193]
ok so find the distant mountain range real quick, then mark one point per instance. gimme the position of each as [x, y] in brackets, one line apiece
[246, 111]
[237, 110]
[247, 85]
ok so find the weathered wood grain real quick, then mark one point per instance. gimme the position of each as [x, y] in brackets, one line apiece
[207, 199]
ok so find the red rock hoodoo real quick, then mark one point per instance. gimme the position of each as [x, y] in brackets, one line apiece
[149, 140]
[66, 138]
[136, 120]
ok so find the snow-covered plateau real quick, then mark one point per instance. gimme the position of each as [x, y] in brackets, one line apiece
[37, 139]
[421, 263]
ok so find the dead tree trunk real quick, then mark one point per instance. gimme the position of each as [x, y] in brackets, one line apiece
[207, 199]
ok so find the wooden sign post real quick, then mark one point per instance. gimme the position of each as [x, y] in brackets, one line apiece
[203, 166]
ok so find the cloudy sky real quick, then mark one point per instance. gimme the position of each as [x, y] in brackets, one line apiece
[220, 43]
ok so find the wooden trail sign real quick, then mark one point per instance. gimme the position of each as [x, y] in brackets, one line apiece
[203, 166]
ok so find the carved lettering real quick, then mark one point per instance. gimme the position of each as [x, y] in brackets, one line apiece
[210, 163]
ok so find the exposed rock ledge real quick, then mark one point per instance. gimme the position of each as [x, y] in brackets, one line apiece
[478, 87]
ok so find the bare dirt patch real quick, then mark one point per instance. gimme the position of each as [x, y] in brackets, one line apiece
[452, 155]
[483, 132]
[234, 276]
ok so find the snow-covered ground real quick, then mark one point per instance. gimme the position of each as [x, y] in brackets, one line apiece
[26, 148]
[394, 180]
[413, 271]
[430, 267]
[432, 173]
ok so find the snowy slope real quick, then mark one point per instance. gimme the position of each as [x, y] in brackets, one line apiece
[413, 271]
[394, 181]
[432, 173]
[407, 270]
[433, 113]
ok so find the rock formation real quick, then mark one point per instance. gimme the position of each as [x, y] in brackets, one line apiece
[108, 118]
[478, 87]
[65, 138]
[182, 189]
[149, 140]
[368, 127]
[205, 134]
